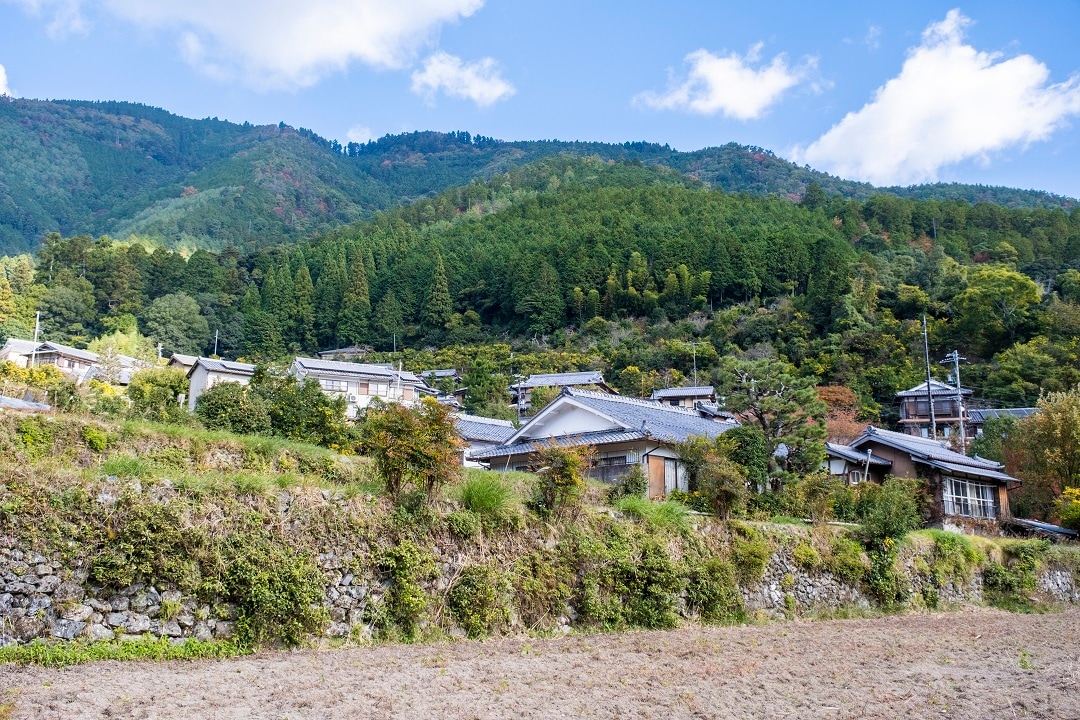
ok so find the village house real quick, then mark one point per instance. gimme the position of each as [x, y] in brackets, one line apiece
[18, 352]
[481, 433]
[205, 373]
[977, 417]
[854, 466]
[625, 432]
[360, 383]
[521, 392]
[947, 403]
[685, 396]
[966, 494]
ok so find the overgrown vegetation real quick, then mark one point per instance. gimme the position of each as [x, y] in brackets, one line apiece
[251, 546]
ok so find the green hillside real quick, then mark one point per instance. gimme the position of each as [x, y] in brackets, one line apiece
[120, 168]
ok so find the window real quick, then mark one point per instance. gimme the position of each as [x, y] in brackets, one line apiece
[969, 499]
[334, 385]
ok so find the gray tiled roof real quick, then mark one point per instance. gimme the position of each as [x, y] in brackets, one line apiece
[681, 392]
[473, 427]
[981, 416]
[22, 347]
[662, 422]
[86, 355]
[591, 377]
[854, 455]
[602, 437]
[937, 388]
[933, 453]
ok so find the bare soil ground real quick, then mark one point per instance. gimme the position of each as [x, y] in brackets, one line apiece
[973, 663]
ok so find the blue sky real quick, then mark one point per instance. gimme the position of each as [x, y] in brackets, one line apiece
[890, 93]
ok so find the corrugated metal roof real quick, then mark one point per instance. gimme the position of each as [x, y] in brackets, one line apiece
[681, 392]
[225, 366]
[589, 438]
[591, 377]
[982, 415]
[351, 368]
[474, 427]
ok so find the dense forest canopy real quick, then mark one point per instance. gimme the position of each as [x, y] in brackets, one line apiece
[575, 263]
[115, 168]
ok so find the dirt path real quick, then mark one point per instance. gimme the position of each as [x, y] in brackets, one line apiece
[968, 664]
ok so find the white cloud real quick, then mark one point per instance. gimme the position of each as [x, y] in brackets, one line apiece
[729, 84]
[280, 43]
[359, 134]
[478, 81]
[4, 89]
[65, 16]
[949, 103]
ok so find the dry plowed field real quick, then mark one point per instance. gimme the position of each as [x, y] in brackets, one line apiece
[973, 663]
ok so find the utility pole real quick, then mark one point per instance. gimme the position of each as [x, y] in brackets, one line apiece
[693, 346]
[955, 358]
[215, 342]
[929, 393]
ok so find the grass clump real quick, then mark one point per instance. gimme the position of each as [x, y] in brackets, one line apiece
[77, 652]
[489, 497]
[668, 515]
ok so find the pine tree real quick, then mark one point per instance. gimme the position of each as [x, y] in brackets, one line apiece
[355, 315]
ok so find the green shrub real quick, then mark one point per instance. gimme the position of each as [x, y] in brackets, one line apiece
[95, 438]
[235, 408]
[750, 552]
[889, 510]
[693, 500]
[560, 482]
[633, 484]
[479, 600]
[278, 591]
[845, 559]
[412, 448]
[711, 589]
[36, 436]
[954, 557]
[403, 566]
[806, 556]
[542, 588]
[464, 524]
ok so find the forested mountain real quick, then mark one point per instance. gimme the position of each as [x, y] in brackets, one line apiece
[119, 169]
[577, 263]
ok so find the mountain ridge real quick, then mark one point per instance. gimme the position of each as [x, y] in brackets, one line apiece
[119, 168]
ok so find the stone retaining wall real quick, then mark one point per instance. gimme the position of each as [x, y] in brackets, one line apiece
[40, 598]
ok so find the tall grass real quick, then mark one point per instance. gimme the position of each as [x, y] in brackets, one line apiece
[667, 515]
[488, 494]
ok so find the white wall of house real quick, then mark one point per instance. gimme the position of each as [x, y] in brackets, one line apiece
[570, 419]
[202, 379]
